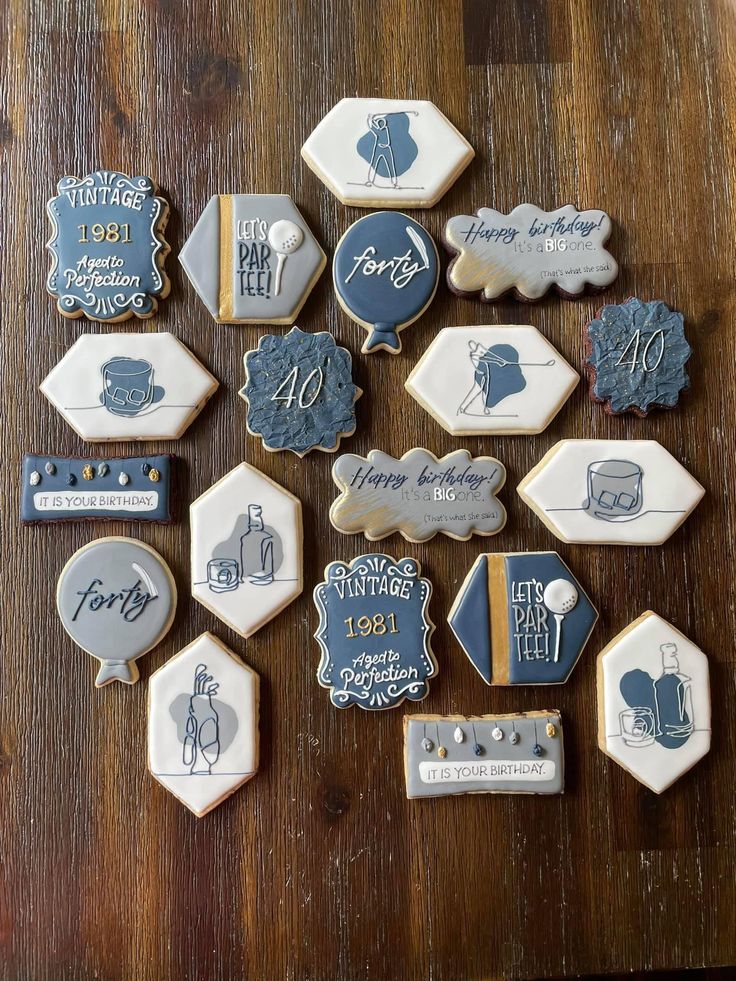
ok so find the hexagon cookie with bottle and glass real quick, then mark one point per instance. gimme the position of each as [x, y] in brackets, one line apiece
[246, 549]
[654, 710]
[252, 259]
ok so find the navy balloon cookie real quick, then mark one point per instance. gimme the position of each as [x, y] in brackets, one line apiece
[385, 272]
[300, 392]
[107, 246]
[636, 357]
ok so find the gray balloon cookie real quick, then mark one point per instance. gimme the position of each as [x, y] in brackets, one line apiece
[116, 598]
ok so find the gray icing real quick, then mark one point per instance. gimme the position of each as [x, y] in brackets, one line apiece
[529, 250]
[96, 493]
[482, 754]
[418, 495]
[300, 391]
[272, 258]
[637, 356]
[116, 598]
[107, 246]
[185, 706]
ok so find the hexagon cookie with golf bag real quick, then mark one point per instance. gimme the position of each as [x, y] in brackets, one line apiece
[203, 724]
[252, 259]
[522, 618]
[654, 712]
[498, 381]
[246, 549]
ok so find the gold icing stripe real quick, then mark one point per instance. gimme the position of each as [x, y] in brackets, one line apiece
[498, 613]
[226, 257]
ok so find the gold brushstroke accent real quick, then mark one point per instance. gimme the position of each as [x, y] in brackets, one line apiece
[226, 257]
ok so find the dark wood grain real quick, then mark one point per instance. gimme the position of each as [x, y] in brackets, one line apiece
[320, 868]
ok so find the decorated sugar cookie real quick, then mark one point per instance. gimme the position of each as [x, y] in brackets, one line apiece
[528, 251]
[203, 724]
[522, 618]
[636, 357]
[246, 549]
[387, 153]
[610, 492]
[484, 754]
[116, 598]
[418, 495]
[129, 386]
[653, 702]
[252, 259]
[60, 488]
[300, 392]
[374, 632]
[385, 272]
[497, 381]
[107, 246]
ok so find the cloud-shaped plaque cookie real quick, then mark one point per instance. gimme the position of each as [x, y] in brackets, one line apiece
[418, 495]
[528, 251]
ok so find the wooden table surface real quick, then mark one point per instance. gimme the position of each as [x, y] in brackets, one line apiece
[320, 868]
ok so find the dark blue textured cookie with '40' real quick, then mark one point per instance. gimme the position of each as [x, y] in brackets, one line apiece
[636, 357]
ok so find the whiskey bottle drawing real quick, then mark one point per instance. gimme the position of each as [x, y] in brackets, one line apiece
[256, 550]
[674, 699]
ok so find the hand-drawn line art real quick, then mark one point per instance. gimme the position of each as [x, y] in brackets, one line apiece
[616, 493]
[201, 748]
[253, 553]
[388, 147]
[128, 387]
[660, 710]
[497, 375]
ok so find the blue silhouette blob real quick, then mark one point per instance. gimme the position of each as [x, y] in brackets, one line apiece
[665, 698]
[497, 373]
[387, 147]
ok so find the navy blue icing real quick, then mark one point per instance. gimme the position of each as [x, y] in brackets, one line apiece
[498, 374]
[304, 424]
[385, 271]
[375, 670]
[470, 620]
[664, 700]
[532, 628]
[107, 280]
[613, 339]
[65, 495]
[388, 147]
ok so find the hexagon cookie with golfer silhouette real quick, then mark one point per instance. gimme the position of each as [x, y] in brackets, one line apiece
[387, 153]
[246, 549]
[522, 618]
[610, 492]
[128, 386]
[654, 713]
[203, 724]
[252, 259]
[492, 381]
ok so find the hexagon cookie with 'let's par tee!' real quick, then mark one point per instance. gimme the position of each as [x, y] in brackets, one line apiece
[610, 492]
[498, 381]
[654, 712]
[252, 259]
[246, 549]
[387, 153]
[203, 724]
